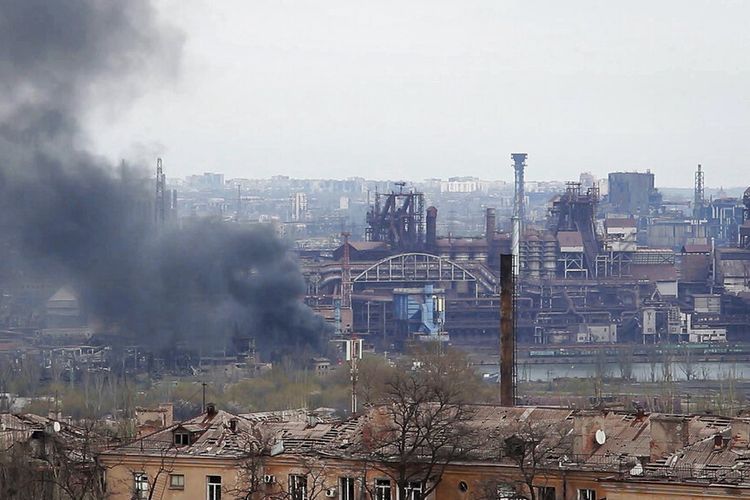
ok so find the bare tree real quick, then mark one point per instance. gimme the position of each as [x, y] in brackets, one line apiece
[17, 477]
[687, 363]
[306, 481]
[666, 363]
[144, 482]
[625, 362]
[531, 445]
[249, 473]
[421, 427]
[653, 359]
[52, 465]
[374, 372]
[254, 446]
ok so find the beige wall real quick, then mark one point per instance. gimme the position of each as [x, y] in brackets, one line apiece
[667, 491]
[481, 480]
[120, 472]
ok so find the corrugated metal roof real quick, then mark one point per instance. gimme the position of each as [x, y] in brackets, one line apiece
[362, 246]
[697, 248]
[620, 222]
[569, 239]
[654, 272]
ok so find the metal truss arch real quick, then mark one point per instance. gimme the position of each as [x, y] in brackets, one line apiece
[415, 266]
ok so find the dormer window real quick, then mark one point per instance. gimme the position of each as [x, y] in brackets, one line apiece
[182, 438]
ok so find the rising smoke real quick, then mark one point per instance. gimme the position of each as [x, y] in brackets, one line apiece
[65, 210]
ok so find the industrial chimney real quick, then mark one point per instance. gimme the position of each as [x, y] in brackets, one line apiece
[431, 239]
[490, 221]
[507, 333]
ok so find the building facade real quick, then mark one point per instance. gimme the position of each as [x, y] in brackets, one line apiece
[581, 455]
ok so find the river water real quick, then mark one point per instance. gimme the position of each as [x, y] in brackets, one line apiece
[641, 371]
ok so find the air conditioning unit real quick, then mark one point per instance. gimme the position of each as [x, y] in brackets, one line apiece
[269, 479]
[331, 492]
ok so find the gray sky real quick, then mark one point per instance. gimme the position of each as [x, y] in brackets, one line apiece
[432, 88]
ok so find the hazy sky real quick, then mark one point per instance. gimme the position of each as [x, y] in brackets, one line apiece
[431, 88]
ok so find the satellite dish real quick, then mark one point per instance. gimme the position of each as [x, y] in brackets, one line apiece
[637, 470]
[56, 426]
[600, 437]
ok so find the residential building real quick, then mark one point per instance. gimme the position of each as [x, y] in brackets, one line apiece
[295, 455]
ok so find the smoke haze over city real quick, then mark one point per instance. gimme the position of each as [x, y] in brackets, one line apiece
[75, 218]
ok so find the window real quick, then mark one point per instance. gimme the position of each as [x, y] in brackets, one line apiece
[382, 489]
[297, 487]
[545, 493]
[346, 488]
[140, 485]
[586, 494]
[414, 490]
[182, 438]
[177, 481]
[505, 491]
[213, 488]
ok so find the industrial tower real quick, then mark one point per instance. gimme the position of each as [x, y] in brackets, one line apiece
[698, 197]
[161, 200]
[346, 282]
[519, 164]
[745, 228]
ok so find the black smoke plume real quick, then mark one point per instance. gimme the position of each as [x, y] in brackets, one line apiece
[65, 211]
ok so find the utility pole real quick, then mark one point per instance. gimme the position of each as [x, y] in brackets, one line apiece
[353, 355]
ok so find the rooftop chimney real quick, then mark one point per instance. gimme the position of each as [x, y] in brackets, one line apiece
[211, 409]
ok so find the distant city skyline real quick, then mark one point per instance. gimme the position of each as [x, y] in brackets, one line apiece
[435, 89]
[198, 177]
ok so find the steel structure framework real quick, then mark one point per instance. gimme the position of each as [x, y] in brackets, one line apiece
[698, 194]
[415, 267]
[398, 220]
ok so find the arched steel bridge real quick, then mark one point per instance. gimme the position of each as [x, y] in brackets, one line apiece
[419, 267]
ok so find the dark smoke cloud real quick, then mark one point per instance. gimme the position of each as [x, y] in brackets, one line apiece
[66, 210]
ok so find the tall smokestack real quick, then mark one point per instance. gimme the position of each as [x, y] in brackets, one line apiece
[507, 335]
[490, 225]
[698, 194]
[519, 209]
[431, 238]
[519, 164]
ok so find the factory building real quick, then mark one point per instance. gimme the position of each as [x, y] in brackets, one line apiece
[618, 269]
[633, 192]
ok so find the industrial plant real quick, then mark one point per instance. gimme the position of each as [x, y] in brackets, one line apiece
[289, 251]
[611, 262]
